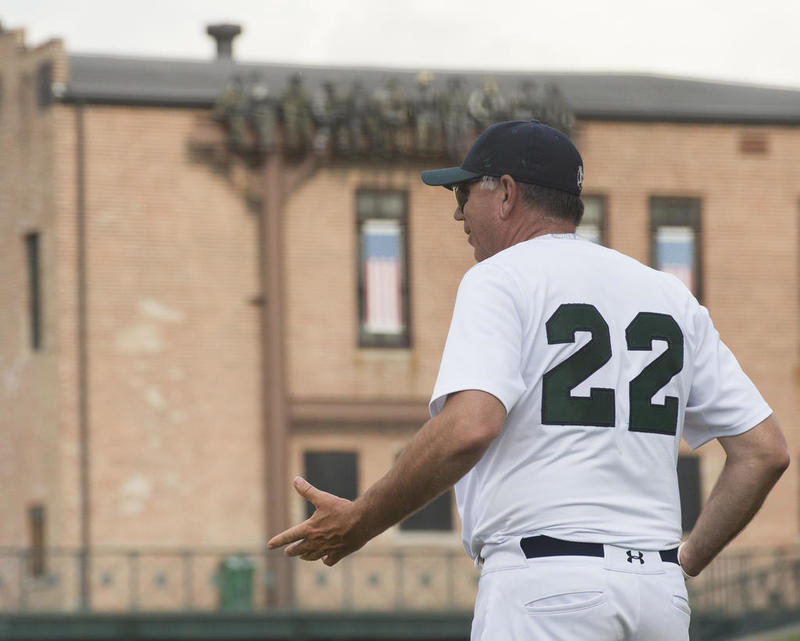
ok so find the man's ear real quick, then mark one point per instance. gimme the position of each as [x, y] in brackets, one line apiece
[510, 193]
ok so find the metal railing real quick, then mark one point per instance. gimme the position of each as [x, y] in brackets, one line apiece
[147, 580]
[742, 591]
[745, 591]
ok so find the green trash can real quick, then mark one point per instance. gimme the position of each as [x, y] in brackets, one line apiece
[236, 583]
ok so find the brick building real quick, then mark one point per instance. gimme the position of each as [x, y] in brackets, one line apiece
[183, 328]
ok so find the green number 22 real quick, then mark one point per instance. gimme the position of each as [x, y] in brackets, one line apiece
[559, 407]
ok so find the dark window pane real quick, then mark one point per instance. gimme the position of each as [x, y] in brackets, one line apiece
[34, 289]
[366, 203]
[334, 472]
[44, 83]
[689, 484]
[37, 545]
[437, 515]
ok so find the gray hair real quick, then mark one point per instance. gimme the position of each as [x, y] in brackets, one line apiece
[553, 203]
[489, 183]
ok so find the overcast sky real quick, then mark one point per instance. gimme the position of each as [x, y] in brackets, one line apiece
[729, 40]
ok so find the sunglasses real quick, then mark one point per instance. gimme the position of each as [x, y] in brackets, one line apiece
[462, 192]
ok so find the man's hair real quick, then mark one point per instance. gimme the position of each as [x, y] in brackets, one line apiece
[553, 203]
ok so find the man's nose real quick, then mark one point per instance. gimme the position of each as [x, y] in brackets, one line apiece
[458, 214]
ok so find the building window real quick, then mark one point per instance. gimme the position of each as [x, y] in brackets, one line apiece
[382, 220]
[36, 560]
[675, 239]
[437, 516]
[334, 472]
[593, 223]
[33, 259]
[44, 85]
[689, 485]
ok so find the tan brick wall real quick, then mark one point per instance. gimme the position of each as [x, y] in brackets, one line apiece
[174, 362]
[174, 359]
[64, 273]
[29, 412]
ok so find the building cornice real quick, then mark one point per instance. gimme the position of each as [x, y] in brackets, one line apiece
[358, 411]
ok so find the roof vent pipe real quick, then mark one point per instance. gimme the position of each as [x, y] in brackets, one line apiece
[224, 35]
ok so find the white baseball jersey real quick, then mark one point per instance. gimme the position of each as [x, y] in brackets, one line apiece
[602, 364]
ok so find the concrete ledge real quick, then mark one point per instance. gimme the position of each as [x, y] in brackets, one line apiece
[246, 626]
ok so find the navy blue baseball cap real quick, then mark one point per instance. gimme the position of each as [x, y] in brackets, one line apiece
[528, 151]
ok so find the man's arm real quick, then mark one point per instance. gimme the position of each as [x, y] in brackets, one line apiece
[755, 461]
[444, 449]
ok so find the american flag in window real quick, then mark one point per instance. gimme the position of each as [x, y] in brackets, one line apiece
[675, 252]
[382, 251]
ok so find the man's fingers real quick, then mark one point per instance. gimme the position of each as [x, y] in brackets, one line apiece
[330, 559]
[291, 535]
[310, 493]
[300, 547]
[314, 555]
[326, 505]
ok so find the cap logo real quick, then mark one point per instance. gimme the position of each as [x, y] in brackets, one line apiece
[580, 177]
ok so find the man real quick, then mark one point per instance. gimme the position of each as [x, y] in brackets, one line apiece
[569, 376]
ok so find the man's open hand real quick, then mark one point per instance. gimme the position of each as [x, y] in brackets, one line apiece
[330, 534]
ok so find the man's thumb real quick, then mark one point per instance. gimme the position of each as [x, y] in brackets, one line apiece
[305, 489]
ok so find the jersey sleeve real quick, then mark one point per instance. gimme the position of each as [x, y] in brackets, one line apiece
[723, 401]
[484, 345]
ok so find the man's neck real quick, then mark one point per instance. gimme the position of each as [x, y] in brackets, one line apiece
[543, 227]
